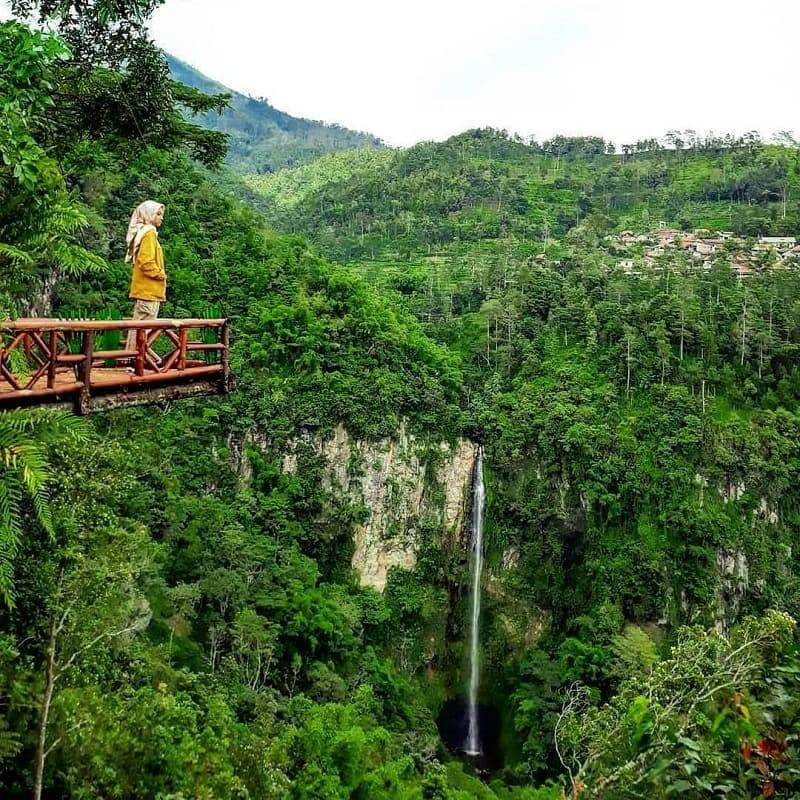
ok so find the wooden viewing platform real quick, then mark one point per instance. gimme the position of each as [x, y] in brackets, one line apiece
[83, 364]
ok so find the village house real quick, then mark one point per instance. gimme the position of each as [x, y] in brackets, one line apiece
[628, 267]
[698, 265]
[793, 253]
[705, 247]
[666, 236]
[780, 243]
[742, 267]
[782, 265]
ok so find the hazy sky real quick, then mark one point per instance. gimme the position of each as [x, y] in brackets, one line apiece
[426, 69]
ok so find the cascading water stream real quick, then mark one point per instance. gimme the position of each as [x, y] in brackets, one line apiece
[472, 746]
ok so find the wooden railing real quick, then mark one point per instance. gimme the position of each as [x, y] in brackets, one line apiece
[42, 360]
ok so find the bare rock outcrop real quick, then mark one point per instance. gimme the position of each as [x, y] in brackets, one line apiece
[391, 479]
[734, 573]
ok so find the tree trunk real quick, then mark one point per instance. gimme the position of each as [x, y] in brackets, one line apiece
[744, 327]
[770, 319]
[47, 697]
[628, 359]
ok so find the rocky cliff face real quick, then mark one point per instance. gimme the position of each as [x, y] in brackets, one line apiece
[734, 582]
[399, 481]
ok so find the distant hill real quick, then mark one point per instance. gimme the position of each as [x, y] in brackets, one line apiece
[264, 139]
[483, 187]
[441, 221]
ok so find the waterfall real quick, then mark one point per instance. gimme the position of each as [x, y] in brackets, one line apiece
[472, 746]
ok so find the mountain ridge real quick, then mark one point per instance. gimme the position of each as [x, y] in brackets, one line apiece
[264, 139]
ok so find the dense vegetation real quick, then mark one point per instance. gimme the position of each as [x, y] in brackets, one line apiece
[641, 431]
[156, 591]
[263, 139]
[438, 210]
[180, 615]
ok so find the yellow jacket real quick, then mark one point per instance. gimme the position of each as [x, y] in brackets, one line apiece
[149, 281]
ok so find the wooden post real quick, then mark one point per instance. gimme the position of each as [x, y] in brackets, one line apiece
[51, 364]
[225, 356]
[183, 335]
[85, 373]
[141, 349]
[88, 357]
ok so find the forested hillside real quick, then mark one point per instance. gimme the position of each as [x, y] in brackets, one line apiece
[485, 192]
[188, 602]
[633, 422]
[261, 138]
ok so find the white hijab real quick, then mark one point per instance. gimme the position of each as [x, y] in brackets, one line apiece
[141, 222]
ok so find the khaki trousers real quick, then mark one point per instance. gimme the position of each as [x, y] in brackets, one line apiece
[142, 309]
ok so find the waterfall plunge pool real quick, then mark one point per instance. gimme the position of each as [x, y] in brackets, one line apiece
[453, 724]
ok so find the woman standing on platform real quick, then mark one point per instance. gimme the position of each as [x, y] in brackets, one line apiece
[149, 280]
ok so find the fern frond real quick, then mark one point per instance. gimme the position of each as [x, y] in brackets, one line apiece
[10, 744]
[75, 260]
[66, 218]
[10, 534]
[24, 469]
[16, 255]
[47, 423]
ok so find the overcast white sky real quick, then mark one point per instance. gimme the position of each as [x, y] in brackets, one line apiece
[426, 69]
